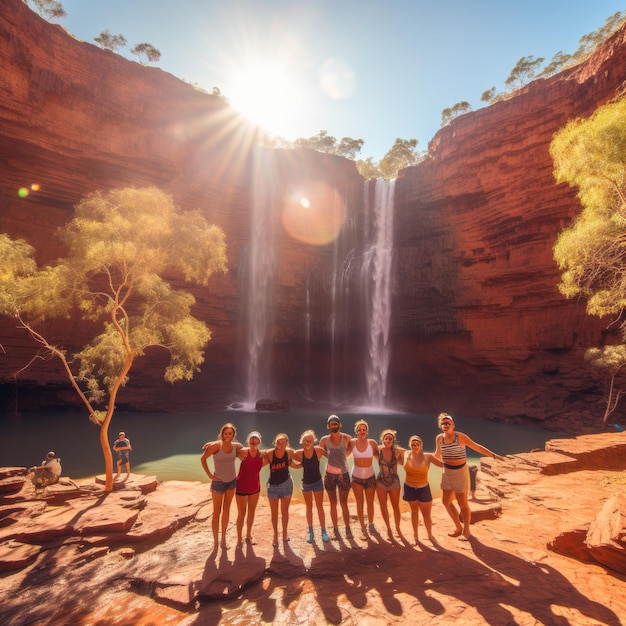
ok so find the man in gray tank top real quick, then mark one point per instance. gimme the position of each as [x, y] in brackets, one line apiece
[337, 446]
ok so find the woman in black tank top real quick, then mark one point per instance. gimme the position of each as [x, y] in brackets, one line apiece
[312, 486]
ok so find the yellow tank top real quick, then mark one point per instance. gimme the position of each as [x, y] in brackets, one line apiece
[416, 476]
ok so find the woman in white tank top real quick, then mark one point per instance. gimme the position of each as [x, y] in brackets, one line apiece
[363, 478]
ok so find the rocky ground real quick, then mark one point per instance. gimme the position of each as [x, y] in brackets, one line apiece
[544, 522]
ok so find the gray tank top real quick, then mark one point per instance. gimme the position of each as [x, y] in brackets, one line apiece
[337, 455]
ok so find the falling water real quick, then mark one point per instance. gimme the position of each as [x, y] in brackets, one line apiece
[376, 282]
[262, 265]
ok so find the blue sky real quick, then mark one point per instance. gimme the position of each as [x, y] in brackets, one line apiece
[364, 69]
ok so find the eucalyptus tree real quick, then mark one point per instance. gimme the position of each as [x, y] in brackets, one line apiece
[107, 41]
[590, 154]
[146, 52]
[120, 246]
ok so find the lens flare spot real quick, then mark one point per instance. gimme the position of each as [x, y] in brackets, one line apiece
[35, 187]
[22, 192]
[314, 214]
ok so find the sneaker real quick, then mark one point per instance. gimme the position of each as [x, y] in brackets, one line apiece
[310, 539]
[324, 535]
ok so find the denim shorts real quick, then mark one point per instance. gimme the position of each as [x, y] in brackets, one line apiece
[282, 490]
[219, 486]
[314, 487]
[411, 494]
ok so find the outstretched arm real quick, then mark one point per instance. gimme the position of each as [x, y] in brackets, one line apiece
[470, 443]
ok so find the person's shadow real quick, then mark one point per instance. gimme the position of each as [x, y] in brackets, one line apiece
[540, 587]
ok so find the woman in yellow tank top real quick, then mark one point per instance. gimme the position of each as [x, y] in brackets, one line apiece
[416, 488]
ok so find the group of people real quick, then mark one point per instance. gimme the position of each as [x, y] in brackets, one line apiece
[337, 481]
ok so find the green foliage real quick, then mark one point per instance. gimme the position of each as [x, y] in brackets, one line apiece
[611, 359]
[120, 246]
[146, 52]
[590, 154]
[368, 169]
[448, 114]
[525, 70]
[489, 95]
[107, 41]
[48, 9]
[402, 154]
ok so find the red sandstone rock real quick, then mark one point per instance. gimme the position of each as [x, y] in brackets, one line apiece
[606, 539]
[477, 318]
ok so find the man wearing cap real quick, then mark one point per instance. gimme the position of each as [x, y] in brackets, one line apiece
[338, 447]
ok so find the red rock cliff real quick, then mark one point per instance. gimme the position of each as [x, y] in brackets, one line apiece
[478, 325]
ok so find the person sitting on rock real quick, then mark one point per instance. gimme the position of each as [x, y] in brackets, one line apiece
[48, 473]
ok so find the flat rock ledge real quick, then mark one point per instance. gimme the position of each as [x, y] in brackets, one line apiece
[548, 546]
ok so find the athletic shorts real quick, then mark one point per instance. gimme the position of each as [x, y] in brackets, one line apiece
[365, 483]
[337, 481]
[411, 494]
[219, 486]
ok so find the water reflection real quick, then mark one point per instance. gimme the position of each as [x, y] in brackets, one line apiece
[169, 445]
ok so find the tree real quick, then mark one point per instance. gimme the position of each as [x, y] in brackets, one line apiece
[524, 71]
[120, 245]
[146, 50]
[322, 142]
[349, 147]
[489, 95]
[48, 9]
[368, 169]
[402, 154]
[110, 42]
[448, 114]
[590, 154]
[611, 359]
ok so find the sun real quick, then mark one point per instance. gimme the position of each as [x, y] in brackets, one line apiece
[270, 96]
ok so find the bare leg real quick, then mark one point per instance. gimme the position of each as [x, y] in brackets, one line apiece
[369, 497]
[446, 498]
[343, 501]
[394, 496]
[284, 510]
[414, 518]
[308, 500]
[127, 469]
[382, 500]
[274, 514]
[332, 498]
[358, 496]
[465, 512]
[228, 499]
[319, 503]
[425, 508]
[217, 498]
[119, 467]
[242, 505]
[253, 500]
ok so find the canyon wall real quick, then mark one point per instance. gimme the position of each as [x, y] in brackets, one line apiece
[478, 325]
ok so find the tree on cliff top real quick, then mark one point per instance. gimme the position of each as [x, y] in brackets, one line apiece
[151, 54]
[120, 245]
[590, 154]
[48, 9]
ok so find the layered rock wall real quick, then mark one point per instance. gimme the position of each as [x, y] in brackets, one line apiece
[478, 325]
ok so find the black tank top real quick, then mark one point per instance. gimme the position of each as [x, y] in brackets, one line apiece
[311, 469]
[279, 469]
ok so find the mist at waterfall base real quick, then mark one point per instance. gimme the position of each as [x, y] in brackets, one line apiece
[169, 446]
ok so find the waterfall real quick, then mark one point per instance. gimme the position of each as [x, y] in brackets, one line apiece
[376, 286]
[261, 273]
